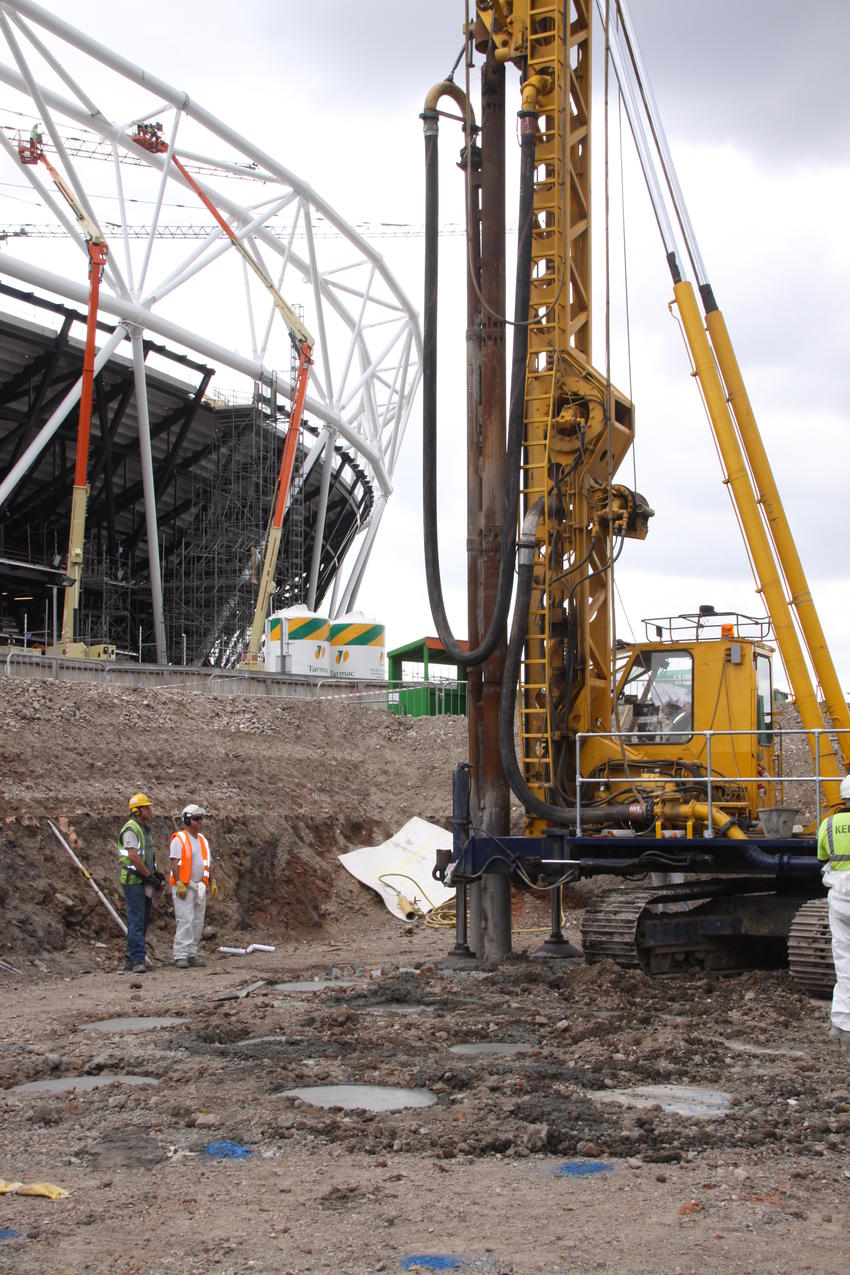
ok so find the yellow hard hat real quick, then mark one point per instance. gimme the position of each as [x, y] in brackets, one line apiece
[138, 800]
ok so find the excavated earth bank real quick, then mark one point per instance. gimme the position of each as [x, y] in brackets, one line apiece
[476, 1181]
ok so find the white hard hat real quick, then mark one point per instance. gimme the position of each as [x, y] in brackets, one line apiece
[845, 788]
[193, 812]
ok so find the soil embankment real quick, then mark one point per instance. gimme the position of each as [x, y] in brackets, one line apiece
[734, 1163]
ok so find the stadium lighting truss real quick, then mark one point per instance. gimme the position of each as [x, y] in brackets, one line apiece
[201, 295]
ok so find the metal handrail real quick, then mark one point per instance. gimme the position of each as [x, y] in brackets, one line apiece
[709, 779]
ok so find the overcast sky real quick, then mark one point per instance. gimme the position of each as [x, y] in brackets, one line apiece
[753, 98]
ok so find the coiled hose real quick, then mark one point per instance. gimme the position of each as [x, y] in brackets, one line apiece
[513, 457]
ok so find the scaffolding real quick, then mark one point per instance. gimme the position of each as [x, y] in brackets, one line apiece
[215, 466]
[210, 585]
[210, 557]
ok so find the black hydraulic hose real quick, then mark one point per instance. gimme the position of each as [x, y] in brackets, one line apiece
[794, 865]
[513, 454]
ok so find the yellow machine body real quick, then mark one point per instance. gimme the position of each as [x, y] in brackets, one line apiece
[578, 428]
[685, 710]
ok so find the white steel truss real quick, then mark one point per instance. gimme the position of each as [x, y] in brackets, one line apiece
[200, 295]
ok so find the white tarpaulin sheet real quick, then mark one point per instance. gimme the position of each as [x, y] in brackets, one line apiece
[402, 866]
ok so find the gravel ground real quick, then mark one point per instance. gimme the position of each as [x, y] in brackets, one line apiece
[526, 1161]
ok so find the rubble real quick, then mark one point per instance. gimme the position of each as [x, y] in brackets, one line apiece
[481, 1172]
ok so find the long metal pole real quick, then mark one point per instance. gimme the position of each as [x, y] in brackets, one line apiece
[321, 514]
[87, 875]
[150, 494]
[490, 788]
[473, 937]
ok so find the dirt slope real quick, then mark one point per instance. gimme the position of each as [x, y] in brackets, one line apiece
[287, 786]
[482, 1180]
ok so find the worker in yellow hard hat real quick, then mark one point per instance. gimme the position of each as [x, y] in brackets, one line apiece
[140, 879]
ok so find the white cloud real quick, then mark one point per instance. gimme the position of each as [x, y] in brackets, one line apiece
[754, 103]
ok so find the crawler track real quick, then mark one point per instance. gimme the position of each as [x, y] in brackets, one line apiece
[810, 949]
[728, 924]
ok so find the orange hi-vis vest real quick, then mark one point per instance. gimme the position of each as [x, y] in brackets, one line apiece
[186, 858]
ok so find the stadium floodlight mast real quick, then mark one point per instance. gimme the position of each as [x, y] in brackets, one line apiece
[367, 353]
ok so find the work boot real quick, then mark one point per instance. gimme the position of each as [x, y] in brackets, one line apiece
[838, 1033]
[140, 968]
[128, 965]
[196, 961]
[182, 964]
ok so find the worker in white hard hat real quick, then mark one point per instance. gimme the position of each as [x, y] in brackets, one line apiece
[140, 880]
[191, 879]
[834, 850]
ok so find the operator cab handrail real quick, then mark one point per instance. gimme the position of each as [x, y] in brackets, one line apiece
[707, 625]
[712, 778]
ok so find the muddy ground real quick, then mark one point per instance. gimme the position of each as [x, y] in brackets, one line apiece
[494, 1176]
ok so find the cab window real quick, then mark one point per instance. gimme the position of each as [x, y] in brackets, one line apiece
[764, 699]
[656, 702]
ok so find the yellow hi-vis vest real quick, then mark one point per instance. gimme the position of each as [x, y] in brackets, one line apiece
[834, 841]
[186, 858]
[129, 875]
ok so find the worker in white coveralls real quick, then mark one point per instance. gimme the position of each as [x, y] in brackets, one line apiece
[834, 848]
[191, 879]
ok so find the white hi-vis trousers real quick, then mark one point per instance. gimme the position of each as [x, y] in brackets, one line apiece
[839, 925]
[189, 915]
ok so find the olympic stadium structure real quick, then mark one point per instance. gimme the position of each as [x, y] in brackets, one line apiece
[211, 290]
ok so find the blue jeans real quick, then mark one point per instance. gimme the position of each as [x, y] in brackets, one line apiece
[138, 917]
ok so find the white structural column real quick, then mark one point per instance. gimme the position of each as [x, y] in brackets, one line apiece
[150, 494]
[349, 596]
[321, 518]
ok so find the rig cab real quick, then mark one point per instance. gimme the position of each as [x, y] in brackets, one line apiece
[693, 718]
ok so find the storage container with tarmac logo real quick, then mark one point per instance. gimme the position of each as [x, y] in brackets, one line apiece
[297, 641]
[358, 648]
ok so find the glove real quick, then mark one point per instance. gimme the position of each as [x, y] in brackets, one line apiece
[181, 889]
[213, 891]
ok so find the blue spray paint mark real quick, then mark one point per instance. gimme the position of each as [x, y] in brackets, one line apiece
[6, 1233]
[228, 1151]
[582, 1168]
[429, 1262]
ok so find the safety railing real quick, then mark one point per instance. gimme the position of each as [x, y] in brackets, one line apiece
[700, 746]
[405, 699]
